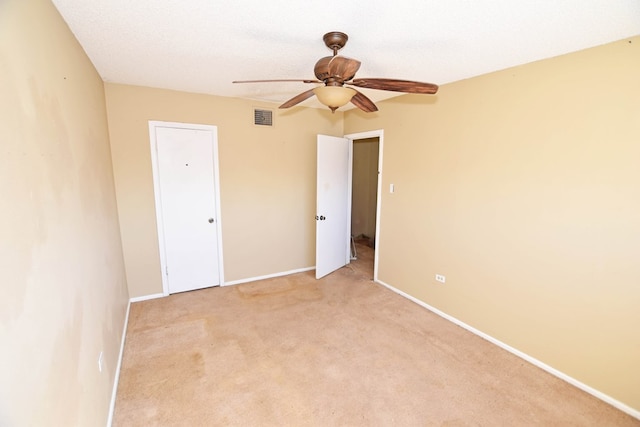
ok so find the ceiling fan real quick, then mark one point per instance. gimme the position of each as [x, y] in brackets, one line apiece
[337, 71]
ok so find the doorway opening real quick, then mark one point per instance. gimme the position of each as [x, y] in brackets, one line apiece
[366, 173]
[335, 239]
[364, 197]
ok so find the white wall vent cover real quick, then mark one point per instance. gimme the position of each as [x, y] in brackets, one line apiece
[263, 117]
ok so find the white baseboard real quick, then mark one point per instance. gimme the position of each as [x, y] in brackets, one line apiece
[112, 405]
[268, 276]
[592, 391]
[147, 297]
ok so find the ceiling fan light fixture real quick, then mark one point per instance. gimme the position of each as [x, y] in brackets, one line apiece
[334, 97]
[334, 71]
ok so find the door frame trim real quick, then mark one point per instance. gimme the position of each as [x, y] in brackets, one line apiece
[153, 125]
[379, 133]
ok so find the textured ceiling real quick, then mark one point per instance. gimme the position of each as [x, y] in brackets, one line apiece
[203, 45]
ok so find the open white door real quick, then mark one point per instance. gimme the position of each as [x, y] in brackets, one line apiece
[332, 205]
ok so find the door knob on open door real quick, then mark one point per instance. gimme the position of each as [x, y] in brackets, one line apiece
[210, 220]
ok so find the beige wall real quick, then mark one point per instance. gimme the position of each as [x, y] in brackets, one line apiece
[267, 180]
[64, 293]
[364, 187]
[522, 187]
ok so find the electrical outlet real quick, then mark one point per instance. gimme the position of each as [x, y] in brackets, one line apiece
[100, 359]
[440, 278]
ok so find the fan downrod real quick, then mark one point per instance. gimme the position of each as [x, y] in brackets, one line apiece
[335, 40]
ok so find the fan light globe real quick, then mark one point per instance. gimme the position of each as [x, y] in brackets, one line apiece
[334, 96]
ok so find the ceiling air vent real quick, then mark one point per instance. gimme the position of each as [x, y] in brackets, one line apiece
[263, 117]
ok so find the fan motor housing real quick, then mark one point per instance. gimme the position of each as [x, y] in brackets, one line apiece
[322, 68]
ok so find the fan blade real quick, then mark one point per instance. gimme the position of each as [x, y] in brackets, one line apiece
[363, 103]
[344, 68]
[406, 86]
[278, 80]
[298, 99]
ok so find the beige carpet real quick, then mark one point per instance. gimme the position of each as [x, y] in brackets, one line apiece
[342, 351]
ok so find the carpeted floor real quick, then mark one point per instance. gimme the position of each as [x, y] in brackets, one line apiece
[341, 351]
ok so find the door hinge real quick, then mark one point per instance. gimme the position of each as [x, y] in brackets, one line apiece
[166, 270]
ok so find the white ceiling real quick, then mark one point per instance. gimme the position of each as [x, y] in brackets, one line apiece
[203, 45]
